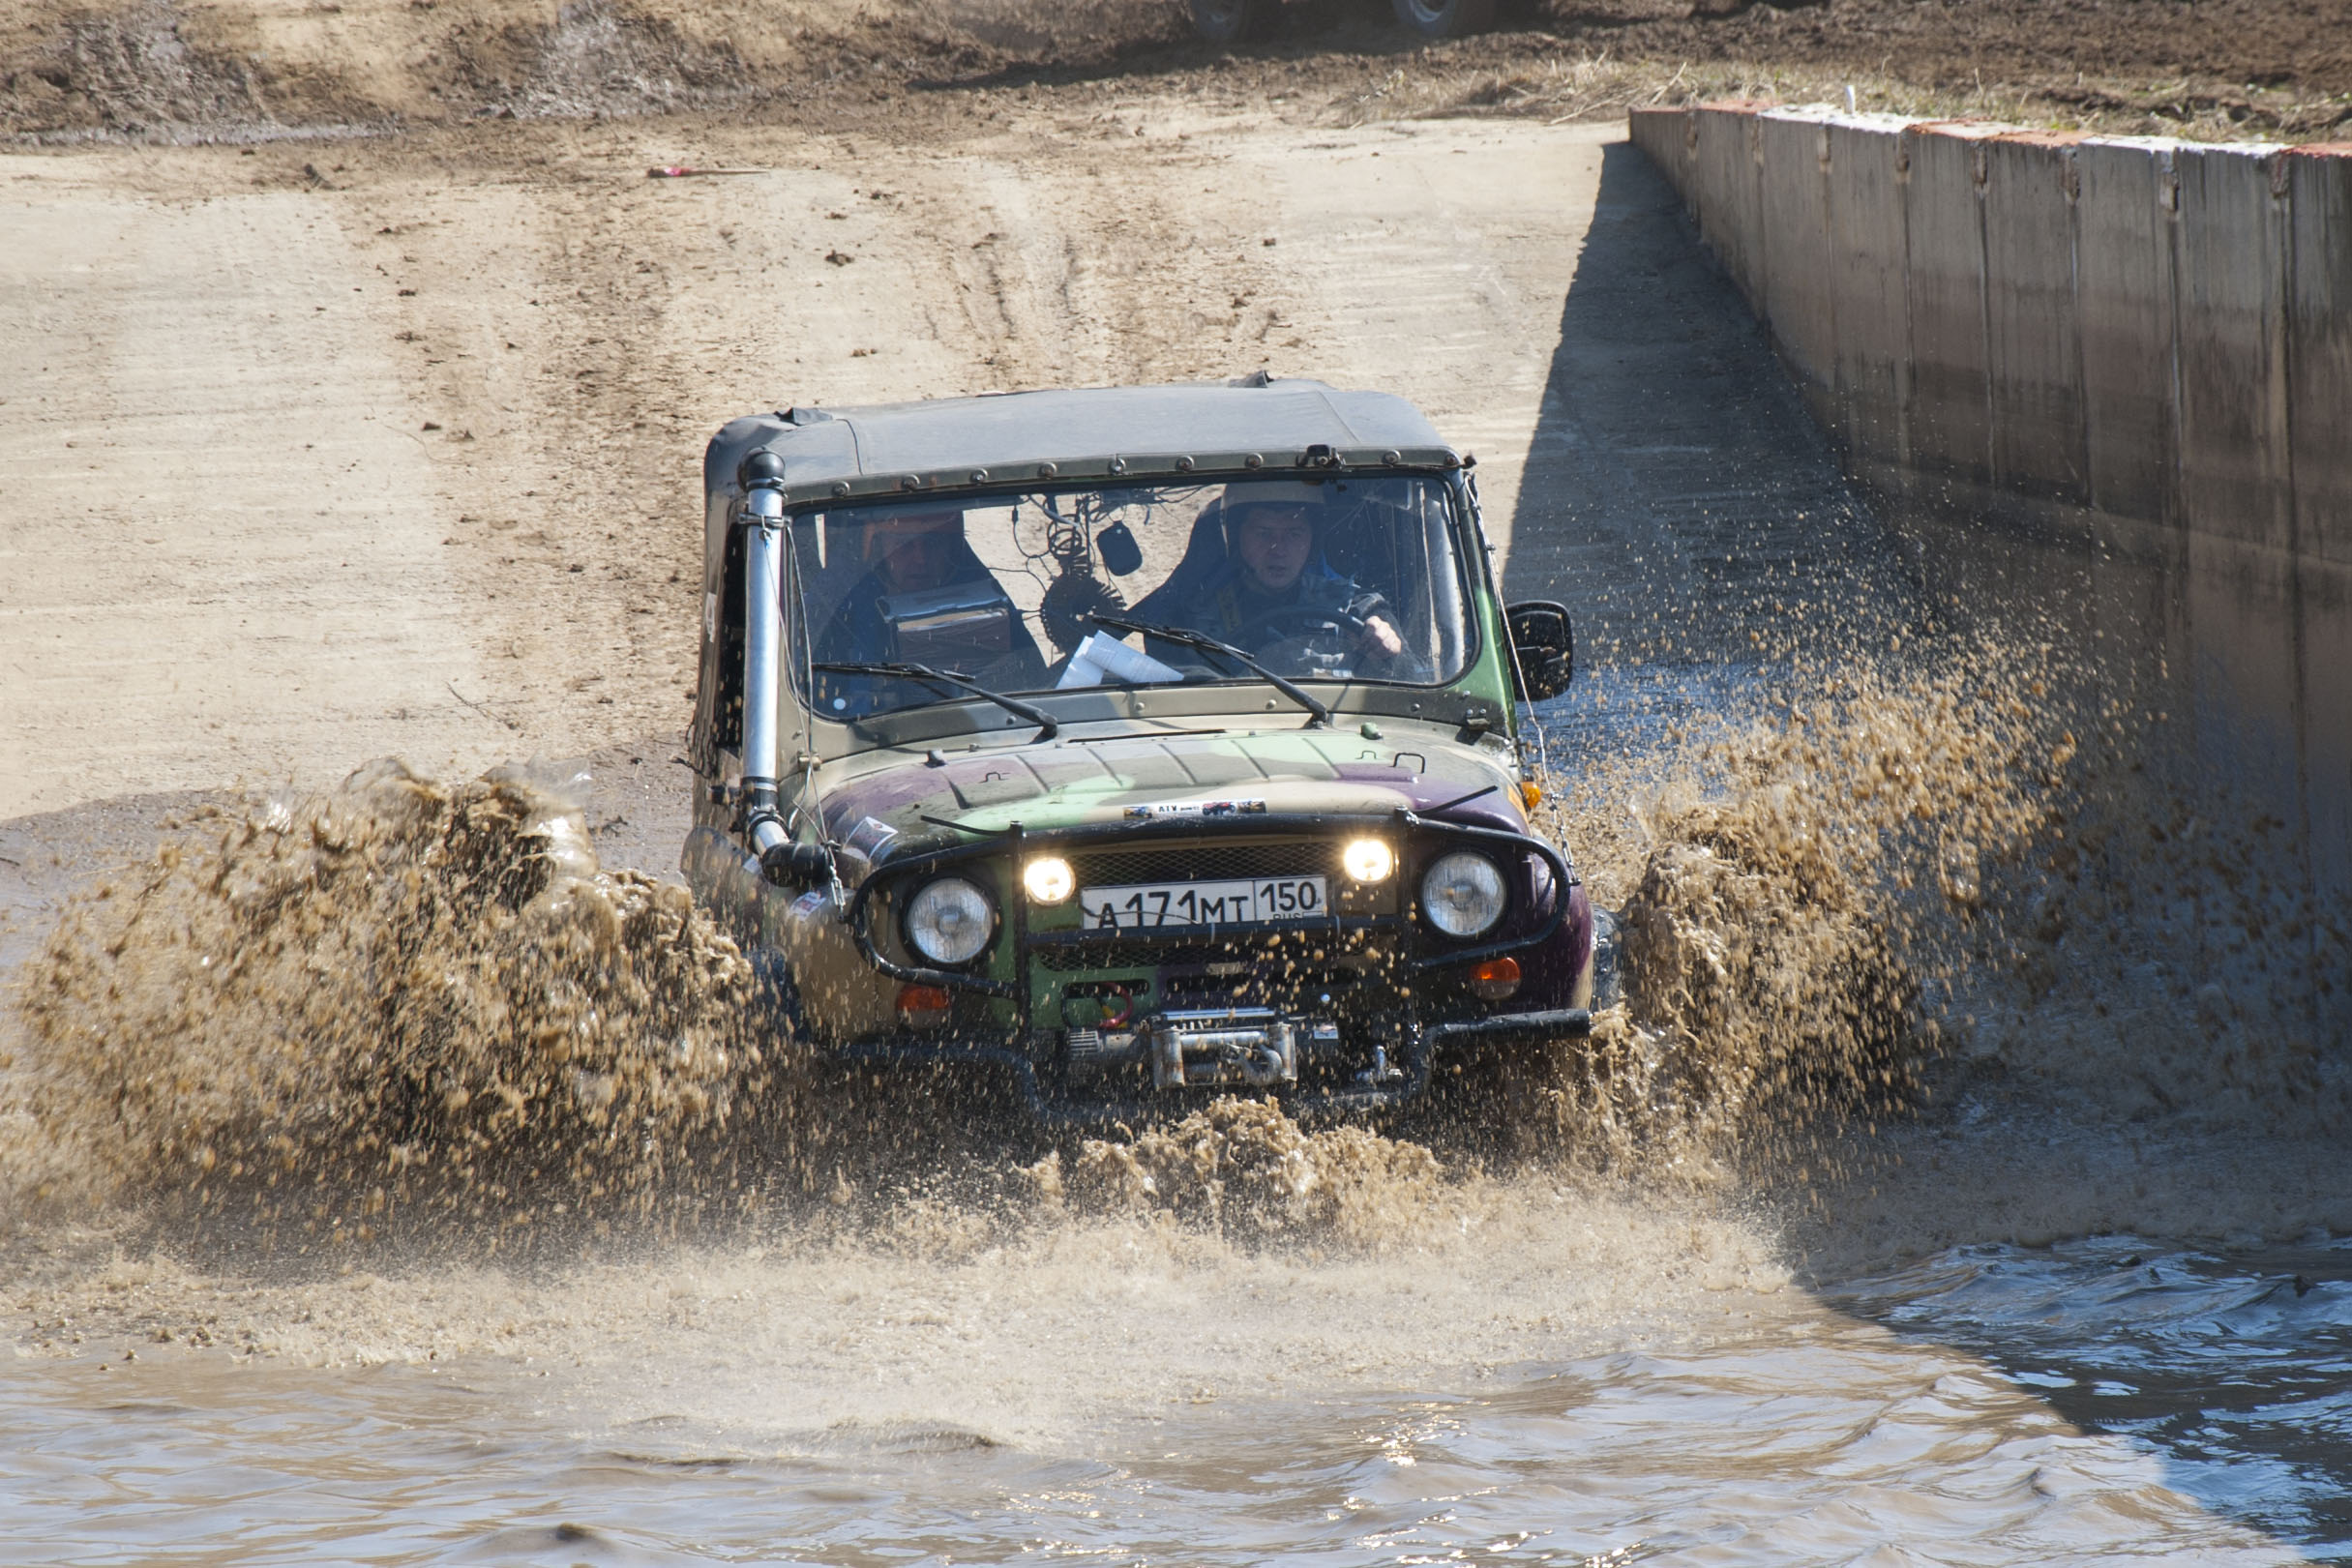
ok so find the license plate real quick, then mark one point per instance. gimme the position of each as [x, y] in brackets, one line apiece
[1158, 905]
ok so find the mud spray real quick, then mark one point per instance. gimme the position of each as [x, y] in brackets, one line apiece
[397, 995]
[319, 1035]
[422, 995]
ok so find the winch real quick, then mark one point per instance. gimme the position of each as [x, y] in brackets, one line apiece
[1255, 1046]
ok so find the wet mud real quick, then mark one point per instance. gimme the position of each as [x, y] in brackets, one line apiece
[397, 993]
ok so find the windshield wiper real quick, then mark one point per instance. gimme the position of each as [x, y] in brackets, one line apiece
[1046, 725]
[1207, 644]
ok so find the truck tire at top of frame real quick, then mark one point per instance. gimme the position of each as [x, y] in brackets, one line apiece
[1446, 19]
[1231, 21]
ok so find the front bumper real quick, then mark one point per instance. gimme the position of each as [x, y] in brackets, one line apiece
[1400, 1075]
[1347, 1012]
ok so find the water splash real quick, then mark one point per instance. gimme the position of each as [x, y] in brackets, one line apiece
[397, 995]
[402, 997]
[1247, 1167]
[1814, 885]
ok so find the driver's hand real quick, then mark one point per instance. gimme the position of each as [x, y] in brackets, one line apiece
[1380, 638]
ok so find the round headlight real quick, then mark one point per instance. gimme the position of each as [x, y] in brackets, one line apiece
[1462, 895]
[1367, 860]
[1049, 880]
[950, 921]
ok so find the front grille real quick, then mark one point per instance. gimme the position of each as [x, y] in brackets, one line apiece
[1207, 863]
[1288, 983]
[1151, 953]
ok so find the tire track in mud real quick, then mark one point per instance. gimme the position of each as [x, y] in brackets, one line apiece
[575, 330]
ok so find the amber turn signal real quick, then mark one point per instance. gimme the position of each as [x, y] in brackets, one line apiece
[1494, 980]
[1530, 793]
[927, 1007]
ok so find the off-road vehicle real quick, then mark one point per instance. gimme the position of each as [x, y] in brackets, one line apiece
[1138, 744]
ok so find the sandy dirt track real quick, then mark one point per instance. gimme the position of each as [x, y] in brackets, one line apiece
[400, 455]
[221, 526]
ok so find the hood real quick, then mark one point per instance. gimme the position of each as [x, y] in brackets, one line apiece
[1070, 782]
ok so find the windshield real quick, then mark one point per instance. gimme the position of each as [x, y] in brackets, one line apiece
[1338, 579]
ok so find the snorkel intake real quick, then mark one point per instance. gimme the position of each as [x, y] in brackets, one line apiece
[765, 833]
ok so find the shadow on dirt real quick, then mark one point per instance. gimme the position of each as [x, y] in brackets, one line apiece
[1677, 497]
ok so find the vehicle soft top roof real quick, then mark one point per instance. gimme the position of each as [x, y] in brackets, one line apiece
[1255, 423]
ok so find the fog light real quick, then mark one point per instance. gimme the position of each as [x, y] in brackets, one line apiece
[1049, 880]
[924, 1007]
[1368, 860]
[1494, 980]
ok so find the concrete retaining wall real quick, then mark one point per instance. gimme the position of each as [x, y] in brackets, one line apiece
[2157, 331]
[2136, 355]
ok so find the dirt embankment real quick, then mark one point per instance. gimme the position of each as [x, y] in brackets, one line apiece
[2206, 64]
[252, 69]
[248, 69]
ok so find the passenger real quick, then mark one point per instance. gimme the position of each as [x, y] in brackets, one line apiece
[1275, 585]
[913, 553]
[904, 553]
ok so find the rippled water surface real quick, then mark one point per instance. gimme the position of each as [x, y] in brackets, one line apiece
[1989, 1404]
[2235, 1371]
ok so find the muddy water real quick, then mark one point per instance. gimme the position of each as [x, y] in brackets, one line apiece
[1562, 1379]
[2235, 1369]
[1799, 1437]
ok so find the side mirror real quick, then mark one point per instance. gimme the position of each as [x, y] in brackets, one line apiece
[1546, 645]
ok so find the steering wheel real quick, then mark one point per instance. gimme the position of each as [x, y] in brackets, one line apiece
[1286, 623]
[1300, 640]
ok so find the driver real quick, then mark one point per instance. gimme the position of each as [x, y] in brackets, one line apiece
[1274, 583]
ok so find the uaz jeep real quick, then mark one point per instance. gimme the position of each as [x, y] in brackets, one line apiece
[1139, 744]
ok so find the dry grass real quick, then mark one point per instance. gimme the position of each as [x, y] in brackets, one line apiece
[1560, 87]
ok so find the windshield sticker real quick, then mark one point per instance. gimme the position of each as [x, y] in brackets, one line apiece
[1196, 808]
